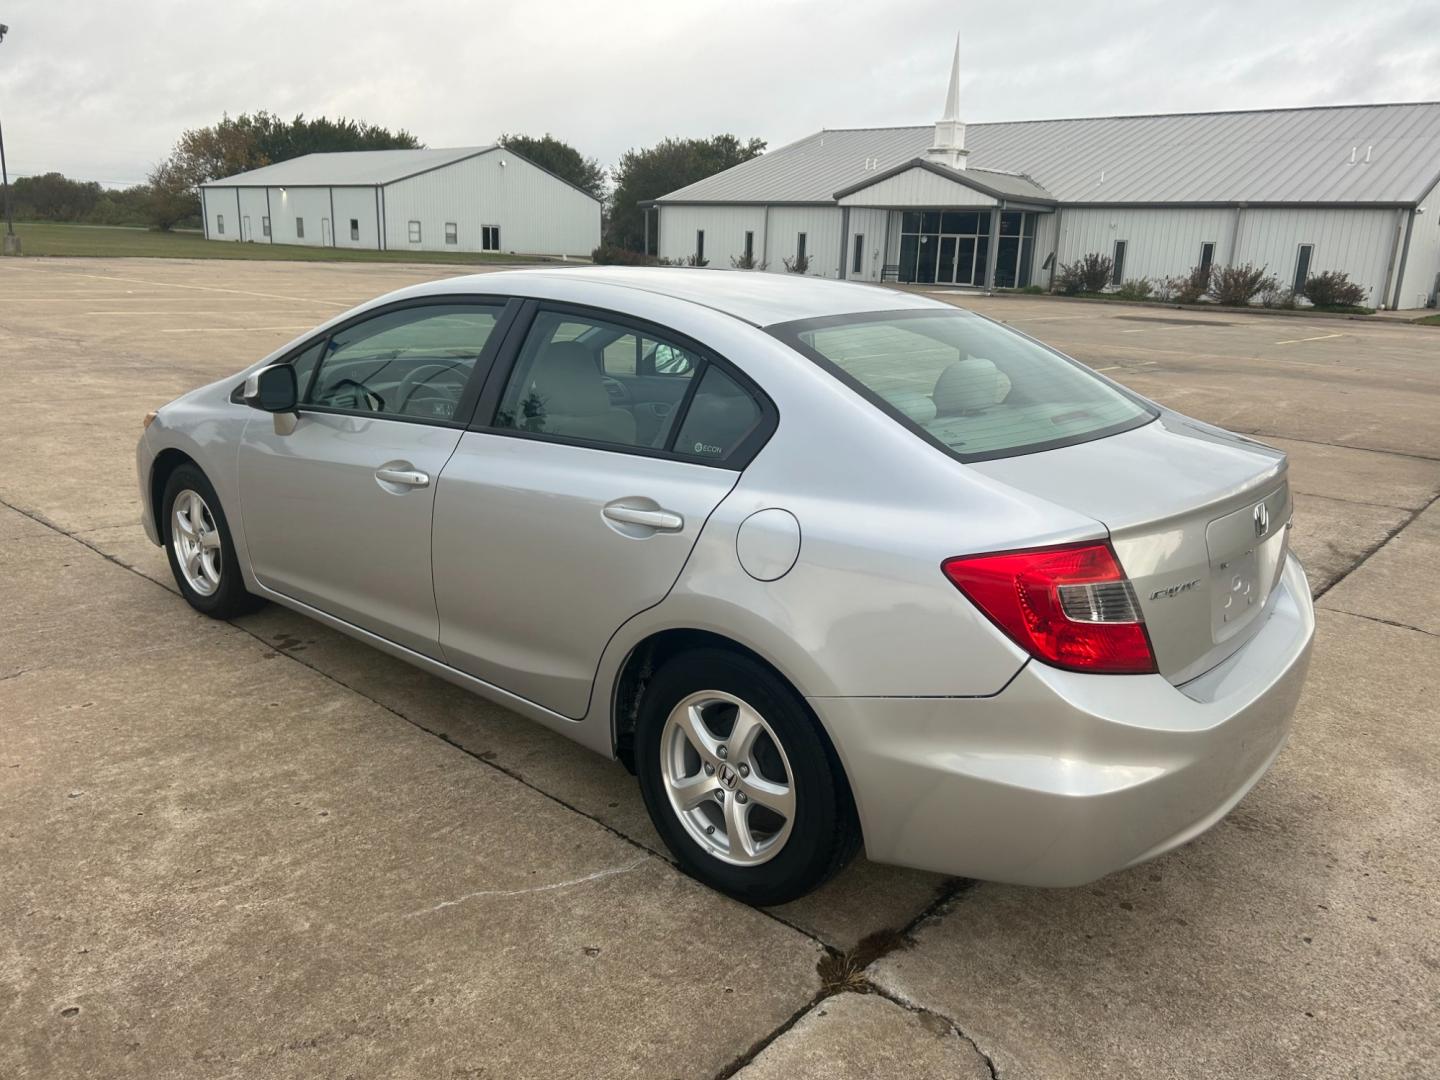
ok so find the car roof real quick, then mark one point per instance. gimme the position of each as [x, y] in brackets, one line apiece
[756, 297]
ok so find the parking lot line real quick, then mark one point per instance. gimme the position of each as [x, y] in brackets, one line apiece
[213, 289]
[1298, 340]
[228, 329]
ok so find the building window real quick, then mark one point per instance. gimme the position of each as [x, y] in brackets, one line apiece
[1207, 256]
[414, 232]
[1302, 267]
[749, 247]
[300, 228]
[800, 247]
[220, 224]
[489, 237]
[699, 245]
[858, 259]
[265, 226]
[452, 233]
[1117, 275]
[354, 228]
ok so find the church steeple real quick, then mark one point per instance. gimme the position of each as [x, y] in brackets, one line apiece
[949, 146]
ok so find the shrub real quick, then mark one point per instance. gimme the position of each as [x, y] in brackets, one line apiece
[796, 264]
[747, 262]
[1334, 289]
[1033, 290]
[1088, 275]
[1278, 298]
[1189, 288]
[696, 260]
[1236, 286]
[1134, 289]
[611, 255]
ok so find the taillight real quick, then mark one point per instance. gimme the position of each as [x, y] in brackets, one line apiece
[1070, 606]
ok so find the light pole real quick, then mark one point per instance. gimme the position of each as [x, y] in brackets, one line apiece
[12, 242]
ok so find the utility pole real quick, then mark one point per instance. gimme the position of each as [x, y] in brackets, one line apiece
[12, 242]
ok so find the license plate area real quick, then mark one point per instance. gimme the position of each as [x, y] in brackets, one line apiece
[1247, 552]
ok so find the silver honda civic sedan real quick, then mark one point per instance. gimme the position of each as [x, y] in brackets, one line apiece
[824, 564]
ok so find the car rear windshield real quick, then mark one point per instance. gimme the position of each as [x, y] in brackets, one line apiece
[972, 386]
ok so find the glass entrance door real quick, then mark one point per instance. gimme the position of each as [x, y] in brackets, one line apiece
[945, 271]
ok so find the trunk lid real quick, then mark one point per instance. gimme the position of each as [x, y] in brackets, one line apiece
[1198, 518]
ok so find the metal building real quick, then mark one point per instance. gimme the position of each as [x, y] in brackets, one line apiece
[483, 198]
[1299, 191]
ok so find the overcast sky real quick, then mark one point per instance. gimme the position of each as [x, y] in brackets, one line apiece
[100, 89]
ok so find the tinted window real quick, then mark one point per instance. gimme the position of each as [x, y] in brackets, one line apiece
[304, 365]
[589, 379]
[412, 363]
[973, 386]
[720, 416]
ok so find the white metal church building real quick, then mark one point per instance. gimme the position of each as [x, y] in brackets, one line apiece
[1299, 191]
[482, 198]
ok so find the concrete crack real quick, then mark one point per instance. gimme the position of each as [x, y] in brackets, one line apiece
[599, 875]
[1386, 622]
[1366, 557]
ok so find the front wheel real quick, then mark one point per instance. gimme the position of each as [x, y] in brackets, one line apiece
[198, 544]
[739, 780]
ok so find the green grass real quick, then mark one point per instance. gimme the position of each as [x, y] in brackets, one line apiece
[47, 238]
[1428, 320]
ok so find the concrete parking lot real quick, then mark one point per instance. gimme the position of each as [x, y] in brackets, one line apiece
[262, 849]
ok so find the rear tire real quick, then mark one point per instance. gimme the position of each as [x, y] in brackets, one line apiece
[200, 548]
[739, 780]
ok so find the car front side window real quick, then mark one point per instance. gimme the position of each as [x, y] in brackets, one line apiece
[413, 363]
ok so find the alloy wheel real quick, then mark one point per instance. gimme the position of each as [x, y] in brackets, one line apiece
[728, 778]
[196, 542]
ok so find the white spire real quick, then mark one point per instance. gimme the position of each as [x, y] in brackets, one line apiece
[949, 146]
[952, 96]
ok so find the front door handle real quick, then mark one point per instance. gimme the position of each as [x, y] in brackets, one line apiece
[404, 477]
[659, 520]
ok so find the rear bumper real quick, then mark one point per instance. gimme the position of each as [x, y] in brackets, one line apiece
[1062, 777]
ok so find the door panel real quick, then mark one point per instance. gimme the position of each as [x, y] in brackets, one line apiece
[324, 529]
[945, 272]
[532, 576]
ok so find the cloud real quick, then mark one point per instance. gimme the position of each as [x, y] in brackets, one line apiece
[101, 90]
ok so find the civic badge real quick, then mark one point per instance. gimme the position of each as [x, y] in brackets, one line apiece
[1262, 519]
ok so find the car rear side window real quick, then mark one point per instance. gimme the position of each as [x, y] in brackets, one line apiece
[722, 415]
[975, 388]
[581, 378]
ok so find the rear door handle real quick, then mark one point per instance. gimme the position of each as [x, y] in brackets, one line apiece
[404, 477]
[659, 520]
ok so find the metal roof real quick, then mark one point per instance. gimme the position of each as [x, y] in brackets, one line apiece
[362, 168]
[1001, 185]
[1261, 156]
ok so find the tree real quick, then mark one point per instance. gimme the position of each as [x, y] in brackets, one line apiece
[560, 158]
[54, 197]
[250, 141]
[664, 167]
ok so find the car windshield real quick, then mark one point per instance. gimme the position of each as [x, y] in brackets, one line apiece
[974, 387]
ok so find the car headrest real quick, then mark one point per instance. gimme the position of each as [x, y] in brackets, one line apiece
[568, 383]
[969, 385]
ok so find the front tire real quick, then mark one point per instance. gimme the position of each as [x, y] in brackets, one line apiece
[199, 546]
[739, 780]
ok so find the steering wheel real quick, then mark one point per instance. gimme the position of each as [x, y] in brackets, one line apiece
[373, 401]
[412, 382]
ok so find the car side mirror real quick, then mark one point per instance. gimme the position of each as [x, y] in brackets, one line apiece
[272, 389]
